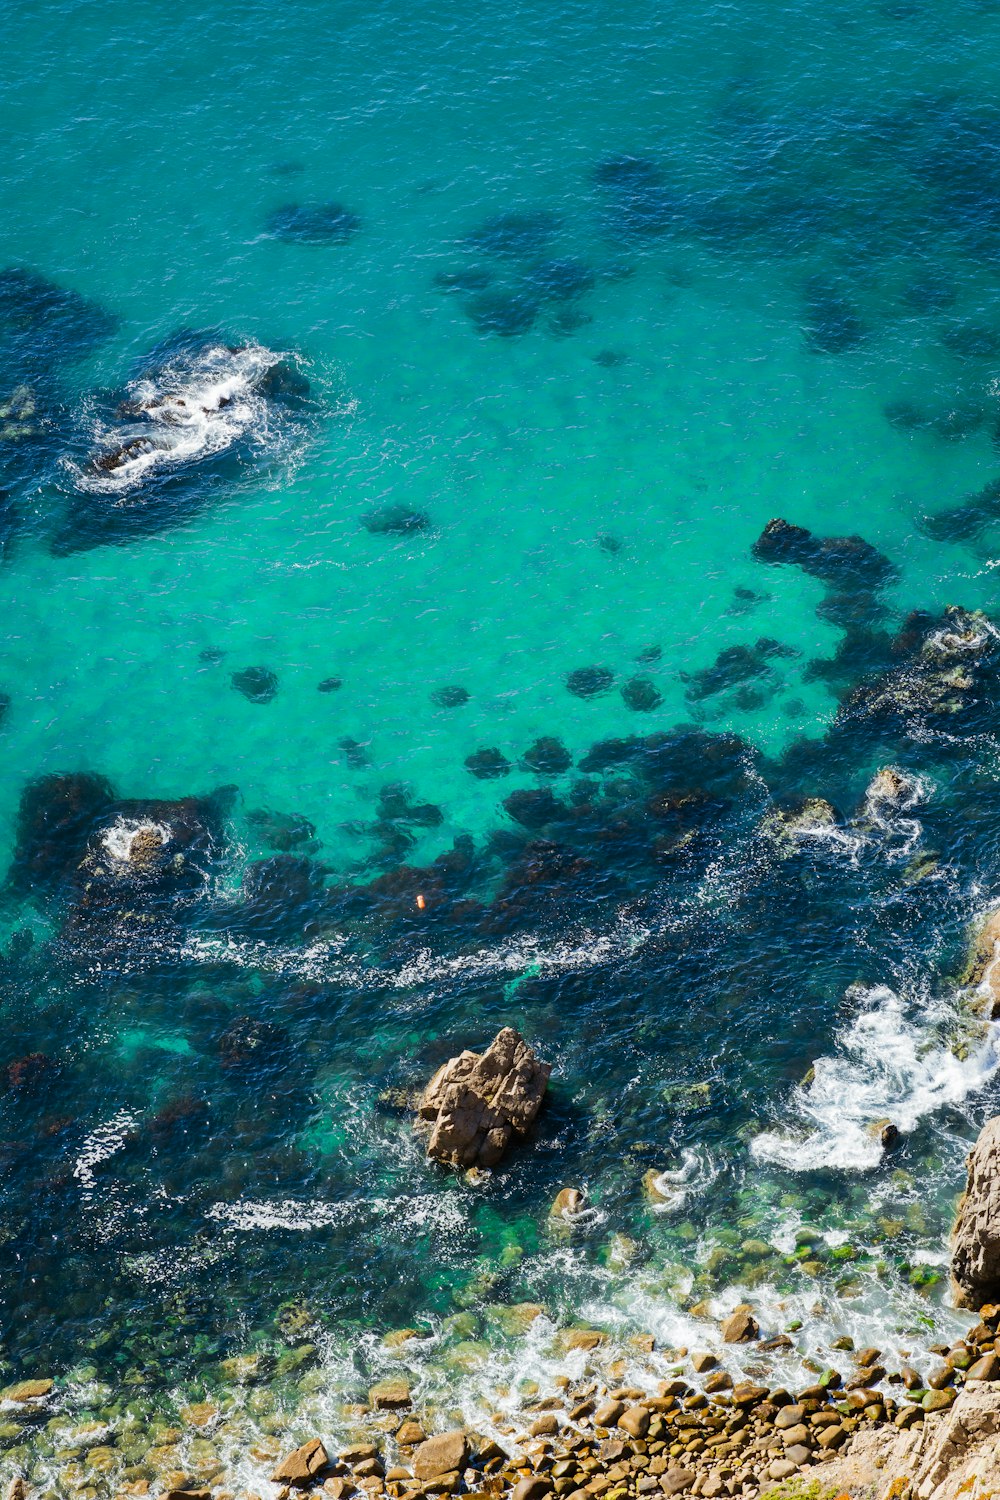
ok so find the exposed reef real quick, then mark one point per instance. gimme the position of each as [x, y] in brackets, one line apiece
[197, 413]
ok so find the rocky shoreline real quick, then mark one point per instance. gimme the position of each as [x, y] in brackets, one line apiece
[592, 1440]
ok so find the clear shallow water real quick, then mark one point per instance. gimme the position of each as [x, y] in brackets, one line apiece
[742, 246]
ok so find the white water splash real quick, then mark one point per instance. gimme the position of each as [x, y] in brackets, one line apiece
[197, 405]
[890, 1063]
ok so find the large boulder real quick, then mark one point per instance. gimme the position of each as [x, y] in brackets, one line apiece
[975, 1244]
[477, 1103]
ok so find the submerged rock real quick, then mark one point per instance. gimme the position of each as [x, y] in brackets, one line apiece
[313, 223]
[394, 520]
[789, 826]
[975, 1243]
[844, 560]
[478, 1103]
[487, 764]
[451, 696]
[547, 757]
[588, 682]
[257, 684]
[641, 695]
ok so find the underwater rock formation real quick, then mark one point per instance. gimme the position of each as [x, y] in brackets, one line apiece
[450, 696]
[394, 520]
[198, 412]
[108, 854]
[42, 323]
[975, 1245]
[312, 223]
[847, 561]
[487, 764]
[478, 1103]
[588, 682]
[946, 663]
[548, 756]
[257, 684]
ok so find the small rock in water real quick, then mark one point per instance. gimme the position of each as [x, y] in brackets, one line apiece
[211, 656]
[568, 1203]
[451, 696]
[330, 685]
[588, 682]
[741, 1327]
[257, 684]
[609, 543]
[390, 1395]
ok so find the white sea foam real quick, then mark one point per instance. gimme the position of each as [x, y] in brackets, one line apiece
[675, 1186]
[196, 405]
[890, 1062]
[117, 841]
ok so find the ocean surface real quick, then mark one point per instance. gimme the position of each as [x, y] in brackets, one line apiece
[391, 400]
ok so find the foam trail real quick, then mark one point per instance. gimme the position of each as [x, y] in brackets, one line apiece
[888, 1064]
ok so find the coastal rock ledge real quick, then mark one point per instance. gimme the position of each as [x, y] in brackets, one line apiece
[975, 1249]
[477, 1103]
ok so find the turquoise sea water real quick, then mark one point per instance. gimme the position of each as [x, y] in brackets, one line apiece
[608, 292]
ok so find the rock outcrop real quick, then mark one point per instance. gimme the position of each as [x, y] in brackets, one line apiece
[983, 968]
[477, 1104]
[975, 1248]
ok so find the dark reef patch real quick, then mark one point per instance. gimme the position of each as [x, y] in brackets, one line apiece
[548, 756]
[734, 667]
[282, 897]
[506, 312]
[312, 223]
[42, 323]
[257, 684]
[517, 235]
[830, 322]
[589, 682]
[844, 561]
[641, 695]
[533, 807]
[330, 685]
[283, 831]
[394, 520]
[487, 764]
[964, 522]
[450, 696]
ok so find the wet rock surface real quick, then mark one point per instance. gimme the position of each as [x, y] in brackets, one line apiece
[478, 1104]
[975, 1250]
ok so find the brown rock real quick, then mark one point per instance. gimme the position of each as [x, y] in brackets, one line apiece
[27, 1390]
[676, 1480]
[535, 1488]
[796, 1436]
[635, 1421]
[302, 1466]
[987, 1368]
[546, 1425]
[390, 1395]
[703, 1362]
[608, 1414]
[832, 1437]
[741, 1326]
[748, 1394]
[568, 1203]
[790, 1416]
[478, 1102]
[411, 1432]
[440, 1455]
[975, 1247]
